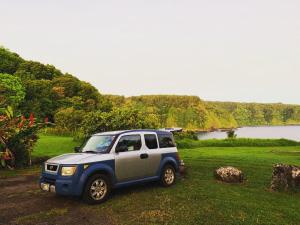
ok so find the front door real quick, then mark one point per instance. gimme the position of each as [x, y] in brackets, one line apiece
[130, 164]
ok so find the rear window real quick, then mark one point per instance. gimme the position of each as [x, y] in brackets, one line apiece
[151, 141]
[166, 140]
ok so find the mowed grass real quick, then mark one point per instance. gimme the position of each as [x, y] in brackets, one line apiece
[199, 198]
[54, 145]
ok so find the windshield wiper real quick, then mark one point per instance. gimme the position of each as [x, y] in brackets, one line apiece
[90, 151]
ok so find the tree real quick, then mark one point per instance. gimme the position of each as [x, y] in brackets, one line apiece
[124, 118]
[287, 113]
[12, 91]
[38, 99]
[69, 83]
[9, 62]
[69, 119]
[268, 114]
[36, 70]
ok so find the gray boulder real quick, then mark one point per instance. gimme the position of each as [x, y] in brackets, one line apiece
[229, 174]
[285, 177]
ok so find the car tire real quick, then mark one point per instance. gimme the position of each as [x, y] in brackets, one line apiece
[168, 176]
[97, 189]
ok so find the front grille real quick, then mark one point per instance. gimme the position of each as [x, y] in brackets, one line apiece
[51, 168]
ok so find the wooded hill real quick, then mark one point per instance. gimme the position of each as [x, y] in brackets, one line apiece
[32, 87]
[193, 113]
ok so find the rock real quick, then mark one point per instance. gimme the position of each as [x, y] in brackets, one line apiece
[229, 174]
[285, 177]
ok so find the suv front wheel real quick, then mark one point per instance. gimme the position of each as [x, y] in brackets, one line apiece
[168, 176]
[97, 189]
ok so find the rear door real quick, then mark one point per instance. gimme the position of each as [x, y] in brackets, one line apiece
[152, 150]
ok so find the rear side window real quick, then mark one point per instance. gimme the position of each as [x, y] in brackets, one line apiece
[166, 140]
[151, 141]
[133, 142]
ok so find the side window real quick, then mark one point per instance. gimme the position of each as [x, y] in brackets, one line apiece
[166, 141]
[132, 142]
[151, 141]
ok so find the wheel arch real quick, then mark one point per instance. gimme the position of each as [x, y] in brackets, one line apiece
[168, 161]
[93, 170]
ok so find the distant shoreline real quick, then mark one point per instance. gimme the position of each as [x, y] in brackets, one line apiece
[235, 128]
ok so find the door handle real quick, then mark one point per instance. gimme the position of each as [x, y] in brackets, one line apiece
[144, 156]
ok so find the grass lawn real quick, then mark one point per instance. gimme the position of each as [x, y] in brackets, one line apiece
[199, 198]
[53, 146]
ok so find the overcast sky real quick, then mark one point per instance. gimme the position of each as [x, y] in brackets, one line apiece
[228, 50]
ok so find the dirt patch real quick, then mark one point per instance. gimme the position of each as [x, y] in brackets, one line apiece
[22, 202]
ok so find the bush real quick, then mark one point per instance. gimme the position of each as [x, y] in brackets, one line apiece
[68, 119]
[18, 136]
[185, 135]
[231, 134]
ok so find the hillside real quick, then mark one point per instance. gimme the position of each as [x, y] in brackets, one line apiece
[32, 87]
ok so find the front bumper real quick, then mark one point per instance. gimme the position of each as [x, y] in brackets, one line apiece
[47, 187]
[62, 185]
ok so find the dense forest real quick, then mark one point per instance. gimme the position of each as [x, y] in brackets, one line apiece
[75, 105]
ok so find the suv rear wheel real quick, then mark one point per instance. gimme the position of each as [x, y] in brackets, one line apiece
[168, 176]
[97, 189]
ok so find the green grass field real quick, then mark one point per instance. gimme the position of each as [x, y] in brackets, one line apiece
[199, 198]
[53, 146]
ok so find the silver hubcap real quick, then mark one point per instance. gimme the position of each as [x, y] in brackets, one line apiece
[98, 189]
[169, 176]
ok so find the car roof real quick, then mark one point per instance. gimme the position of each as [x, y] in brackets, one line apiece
[131, 131]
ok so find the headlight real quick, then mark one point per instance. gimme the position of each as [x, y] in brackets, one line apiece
[68, 170]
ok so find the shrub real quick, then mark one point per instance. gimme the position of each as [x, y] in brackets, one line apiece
[18, 136]
[231, 134]
[186, 135]
[68, 119]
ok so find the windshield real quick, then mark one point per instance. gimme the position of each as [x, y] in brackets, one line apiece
[98, 143]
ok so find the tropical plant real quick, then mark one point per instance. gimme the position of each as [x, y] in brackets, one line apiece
[18, 136]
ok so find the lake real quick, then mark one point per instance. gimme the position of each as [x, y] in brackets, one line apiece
[287, 132]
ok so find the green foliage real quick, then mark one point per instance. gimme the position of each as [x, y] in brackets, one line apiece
[231, 133]
[127, 117]
[254, 114]
[234, 142]
[34, 87]
[35, 70]
[12, 91]
[69, 119]
[9, 61]
[185, 135]
[18, 136]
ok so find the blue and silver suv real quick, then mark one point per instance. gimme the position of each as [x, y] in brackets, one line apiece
[110, 160]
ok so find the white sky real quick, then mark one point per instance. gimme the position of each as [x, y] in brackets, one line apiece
[242, 50]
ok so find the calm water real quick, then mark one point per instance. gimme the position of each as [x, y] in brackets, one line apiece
[288, 132]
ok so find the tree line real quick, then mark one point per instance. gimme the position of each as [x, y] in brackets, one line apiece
[77, 106]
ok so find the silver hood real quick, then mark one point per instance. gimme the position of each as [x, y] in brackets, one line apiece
[78, 158]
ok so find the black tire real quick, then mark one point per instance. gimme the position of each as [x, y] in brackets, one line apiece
[165, 178]
[90, 195]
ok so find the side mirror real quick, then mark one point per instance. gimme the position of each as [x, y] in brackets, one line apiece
[121, 148]
[77, 149]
